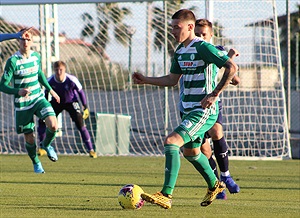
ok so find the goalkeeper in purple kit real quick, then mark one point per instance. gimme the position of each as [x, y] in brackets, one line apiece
[68, 89]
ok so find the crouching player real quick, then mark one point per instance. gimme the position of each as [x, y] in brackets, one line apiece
[68, 88]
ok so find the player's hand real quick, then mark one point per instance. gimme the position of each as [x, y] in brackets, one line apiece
[24, 92]
[55, 95]
[208, 100]
[138, 78]
[86, 113]
[235, 80]
[24, 34]
[233, 53]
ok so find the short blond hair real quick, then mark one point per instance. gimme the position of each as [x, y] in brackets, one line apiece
[59, 64]
[204, 23]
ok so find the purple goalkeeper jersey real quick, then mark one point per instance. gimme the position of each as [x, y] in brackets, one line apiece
[68, 90]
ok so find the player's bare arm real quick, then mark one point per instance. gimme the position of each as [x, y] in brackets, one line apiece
[55, 96]
[24, 34]
[234, 53]
[168, 80]
[235, 80]
[230, 70]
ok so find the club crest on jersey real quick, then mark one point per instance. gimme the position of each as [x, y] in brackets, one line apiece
[21, 72]
[179, 58]
[221, 54]
[192, 57]
[187, 123]
[5, 73]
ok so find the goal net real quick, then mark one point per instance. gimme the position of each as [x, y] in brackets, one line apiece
[102, 44]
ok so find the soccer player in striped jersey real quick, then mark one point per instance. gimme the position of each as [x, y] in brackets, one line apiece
[191, 60]
[68, 88]
[204, 29]
[23, 71]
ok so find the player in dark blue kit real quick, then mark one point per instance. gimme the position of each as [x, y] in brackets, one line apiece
[204, 29]
[68, 88]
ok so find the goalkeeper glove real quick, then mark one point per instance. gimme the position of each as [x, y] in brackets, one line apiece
[86, 113]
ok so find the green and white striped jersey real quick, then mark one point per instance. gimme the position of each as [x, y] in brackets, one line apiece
[24, 73]
[199, 79]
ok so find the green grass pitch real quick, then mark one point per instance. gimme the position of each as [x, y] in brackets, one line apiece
[78, 186]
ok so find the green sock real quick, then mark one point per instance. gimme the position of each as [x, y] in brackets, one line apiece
[49, 137]
[201, 164]
[172, 165]
[31, 150]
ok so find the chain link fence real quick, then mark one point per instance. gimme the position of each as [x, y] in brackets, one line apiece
[103, 43]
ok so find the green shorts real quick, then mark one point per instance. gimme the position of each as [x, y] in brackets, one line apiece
[24, 119]
[193, 127]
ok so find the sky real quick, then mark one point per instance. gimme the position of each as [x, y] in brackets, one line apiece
[71, 23]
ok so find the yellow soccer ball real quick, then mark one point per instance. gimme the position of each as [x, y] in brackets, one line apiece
[129, 197]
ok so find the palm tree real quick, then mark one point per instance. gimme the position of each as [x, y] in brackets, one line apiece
[89, 28]
[108, 15]
[158, 24]
[219, 38]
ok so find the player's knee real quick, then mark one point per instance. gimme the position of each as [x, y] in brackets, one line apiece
[216, 132]
[80, 125]
[206, 152]
[175, 139]
[205, 148]
[217, 136]
[78, 120]
[51, 123]
[52, 126]
[29, 138]
[171, 140]
[188, 152]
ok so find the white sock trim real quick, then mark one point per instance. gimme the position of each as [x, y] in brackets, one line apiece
[225, 173]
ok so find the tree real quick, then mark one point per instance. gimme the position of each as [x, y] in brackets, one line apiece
[219, 38]
[158, 25]
[294, 28]
[109, 15]
[89, 28]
